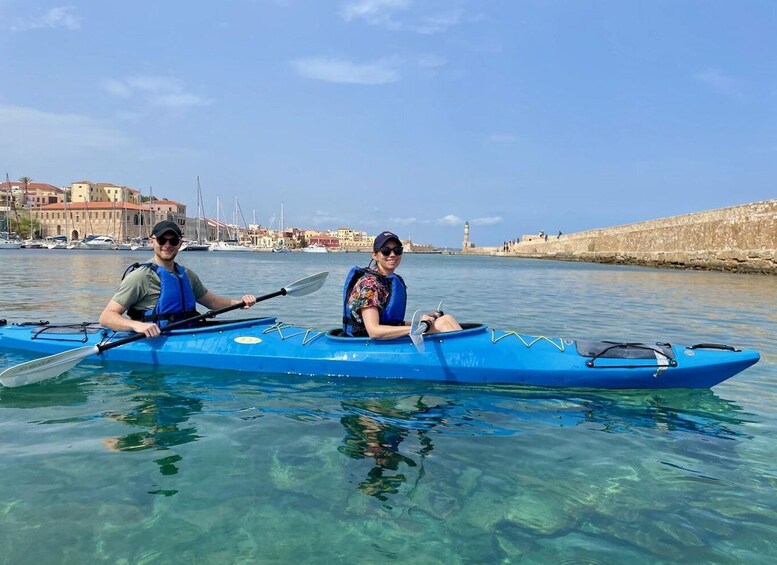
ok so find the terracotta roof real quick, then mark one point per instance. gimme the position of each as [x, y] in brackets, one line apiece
[95, 206]
[166, 202]
[30, 186]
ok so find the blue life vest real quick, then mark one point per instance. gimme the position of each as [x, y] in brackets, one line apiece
[391, 314]
[176, 297]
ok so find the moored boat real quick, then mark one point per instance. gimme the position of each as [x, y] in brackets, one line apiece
[195, 246]
[475, 355]
[101, 242]
[34, 244]
[56, 242]
[230, 245]
[10, 243]
[315, 248]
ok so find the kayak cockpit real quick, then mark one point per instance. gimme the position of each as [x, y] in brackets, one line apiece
[467, 329]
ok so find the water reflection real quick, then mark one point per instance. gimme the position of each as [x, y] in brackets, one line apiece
[56, 393]
[697, 412]
[375, 429]
[395, 432]
[162, 415]
[676, 412]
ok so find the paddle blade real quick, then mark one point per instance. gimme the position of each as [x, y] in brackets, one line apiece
[418, 341]
[417, 332]
[45, 368]
[307, 285]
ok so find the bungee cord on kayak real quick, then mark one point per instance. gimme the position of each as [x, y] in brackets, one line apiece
[559, 345]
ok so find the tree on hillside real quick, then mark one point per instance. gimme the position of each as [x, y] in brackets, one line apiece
[26, 184]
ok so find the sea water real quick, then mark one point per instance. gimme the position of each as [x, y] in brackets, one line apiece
[131, 464]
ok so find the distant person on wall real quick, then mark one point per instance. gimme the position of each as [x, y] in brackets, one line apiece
[375, 299]
[161, 291]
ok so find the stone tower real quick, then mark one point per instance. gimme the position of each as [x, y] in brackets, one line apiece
[466, 244]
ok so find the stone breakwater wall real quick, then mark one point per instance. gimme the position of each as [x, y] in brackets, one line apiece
[737, 239]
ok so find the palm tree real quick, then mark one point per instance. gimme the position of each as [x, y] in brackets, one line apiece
[26, 183]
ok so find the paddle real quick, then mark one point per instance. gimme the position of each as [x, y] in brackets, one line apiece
[418, 329]
[54, 365]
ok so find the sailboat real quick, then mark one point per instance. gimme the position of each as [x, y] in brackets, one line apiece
[230, 244]
[6, 241]
[198, 244]
[280, 247]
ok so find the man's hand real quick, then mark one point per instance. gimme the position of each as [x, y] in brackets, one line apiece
[150, 330]
[249, 300]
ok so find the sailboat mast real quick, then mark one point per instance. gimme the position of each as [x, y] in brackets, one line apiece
[199, 209]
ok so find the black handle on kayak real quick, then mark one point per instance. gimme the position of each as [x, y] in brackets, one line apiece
[187, 321]
[713, 346]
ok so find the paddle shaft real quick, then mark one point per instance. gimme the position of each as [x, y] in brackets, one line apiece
[181, 323]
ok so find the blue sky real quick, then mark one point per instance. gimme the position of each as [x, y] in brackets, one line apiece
[409, 115]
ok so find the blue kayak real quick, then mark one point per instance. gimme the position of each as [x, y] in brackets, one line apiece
[474, 355]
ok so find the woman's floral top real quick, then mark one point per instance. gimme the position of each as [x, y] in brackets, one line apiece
[368, 292]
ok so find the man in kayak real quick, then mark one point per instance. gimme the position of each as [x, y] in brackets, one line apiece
[161, 291]
[375, 300]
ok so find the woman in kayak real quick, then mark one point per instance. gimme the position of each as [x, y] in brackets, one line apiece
[161, 291]
[375, 300]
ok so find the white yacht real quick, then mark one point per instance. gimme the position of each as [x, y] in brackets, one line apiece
[34, 244]
[9, 243]
[56, 242]
[101, 242]
[315, 248]
[194, 246]
[228, 246]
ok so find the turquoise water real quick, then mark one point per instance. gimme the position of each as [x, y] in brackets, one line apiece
[125, 464]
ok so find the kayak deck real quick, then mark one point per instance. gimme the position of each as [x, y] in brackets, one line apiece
[474, 355]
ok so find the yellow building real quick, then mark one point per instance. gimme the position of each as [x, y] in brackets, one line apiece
[87, 191]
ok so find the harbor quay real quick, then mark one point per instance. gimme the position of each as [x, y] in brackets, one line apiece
[48, 216]
[741, 239]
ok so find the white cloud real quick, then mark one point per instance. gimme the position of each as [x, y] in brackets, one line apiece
[403, 221]
[449, 220]
[453, 220]
[324, 218]
[156, 90]
[404, 15]
[178, 100]
[720, 82]
[69, 142]
[347, 72]
[439, 22]
[487, 221]
[374, 12]
[116, 87]
[54, 18]
[431, 61]
[33, 127]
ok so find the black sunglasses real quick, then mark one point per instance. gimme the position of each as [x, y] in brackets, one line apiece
[386, 251]
[172, 239]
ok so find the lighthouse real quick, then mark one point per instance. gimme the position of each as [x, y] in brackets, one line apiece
[466, 244]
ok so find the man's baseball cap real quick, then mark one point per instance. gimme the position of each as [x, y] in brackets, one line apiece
[164, 227]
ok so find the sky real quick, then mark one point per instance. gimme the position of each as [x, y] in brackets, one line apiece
[409, 115]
